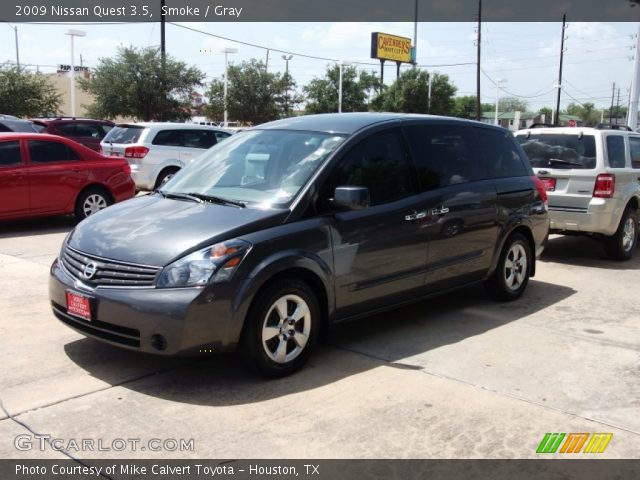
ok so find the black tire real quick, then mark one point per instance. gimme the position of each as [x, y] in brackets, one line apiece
[90, 201]
[264, 314]
[622, 244]
[508, 283]
[165, 176]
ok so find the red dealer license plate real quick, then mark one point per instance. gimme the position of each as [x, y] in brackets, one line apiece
[79, 305]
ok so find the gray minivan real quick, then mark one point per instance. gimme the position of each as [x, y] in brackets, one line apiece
[286, 228]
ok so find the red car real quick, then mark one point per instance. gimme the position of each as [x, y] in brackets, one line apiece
[49, 175]
[87, 131]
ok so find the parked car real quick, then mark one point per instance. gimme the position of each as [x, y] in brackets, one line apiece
[44, 175]
[157, 151]
[592, 178]
[276, 233]
[87, 131]
[9, 123]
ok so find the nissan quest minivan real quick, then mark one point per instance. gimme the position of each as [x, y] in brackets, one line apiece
[281, 230]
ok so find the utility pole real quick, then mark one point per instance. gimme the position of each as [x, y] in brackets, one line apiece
[415, 34]
[618, 106]
[286, 58]
[478, 102]
[635, 87]
[163, 43]
[613, 94]
[429, 101]
[266, 63]
[564, 26]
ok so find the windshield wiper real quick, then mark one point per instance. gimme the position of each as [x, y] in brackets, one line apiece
[180, 196]
[564, 162]
[214, 199]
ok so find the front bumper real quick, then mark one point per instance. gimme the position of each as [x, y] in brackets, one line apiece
[180, 321]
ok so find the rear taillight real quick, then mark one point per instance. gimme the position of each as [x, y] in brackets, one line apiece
[100, 151]
[135, 152]
[126, 168]
[541, 190]
[605, 186]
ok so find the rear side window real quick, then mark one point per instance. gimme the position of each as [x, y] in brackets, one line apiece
[501, 156]
[10, 154]
[444, 155]
[49, 152]
[615, 151]
[124, 134]
[634, 144]
[81, 129]
[554, 150]
[199, 138]
[168, 138]
[222, 135]
[380, 163]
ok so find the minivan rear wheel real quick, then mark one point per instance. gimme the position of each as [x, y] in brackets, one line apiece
[511, 276]
[281, 328]
[621, 245]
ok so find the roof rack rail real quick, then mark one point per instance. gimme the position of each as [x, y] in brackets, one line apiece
[541, 125]
[612, 126]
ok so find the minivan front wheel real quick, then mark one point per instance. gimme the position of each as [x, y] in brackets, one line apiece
[511, 276]
[620, 245]
[282, 327]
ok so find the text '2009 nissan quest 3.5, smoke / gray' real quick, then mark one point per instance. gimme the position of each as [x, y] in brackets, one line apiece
[284, 229]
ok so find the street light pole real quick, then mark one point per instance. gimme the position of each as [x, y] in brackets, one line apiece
[340, 90]
[15, 30]
[498, 82]
[226, 51]
[286, 58]
[72, 97]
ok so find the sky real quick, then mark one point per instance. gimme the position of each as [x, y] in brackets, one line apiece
[523, 56]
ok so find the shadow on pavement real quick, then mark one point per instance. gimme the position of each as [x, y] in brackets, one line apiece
[584, 251]
[39, 226]
[379, 339]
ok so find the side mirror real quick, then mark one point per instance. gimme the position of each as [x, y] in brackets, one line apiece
[351, 198]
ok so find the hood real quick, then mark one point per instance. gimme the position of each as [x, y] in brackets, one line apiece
[152, 230]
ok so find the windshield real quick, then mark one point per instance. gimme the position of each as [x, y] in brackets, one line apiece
[268, 167]
[547, 150]
[124, 134]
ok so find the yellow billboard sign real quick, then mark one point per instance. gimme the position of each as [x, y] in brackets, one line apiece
[390, 47]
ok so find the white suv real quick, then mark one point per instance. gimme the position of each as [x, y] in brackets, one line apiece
[156, 151]
[592, 178]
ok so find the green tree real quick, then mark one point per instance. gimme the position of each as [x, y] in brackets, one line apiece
[511, 104]
[410, 94]
[588, 113]
[358, 88]
[465, 107]
[253, 94]
[25, 94]
[137, 83]
[547, 112]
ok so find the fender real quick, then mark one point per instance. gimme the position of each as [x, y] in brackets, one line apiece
[266, 270]
[513, 224]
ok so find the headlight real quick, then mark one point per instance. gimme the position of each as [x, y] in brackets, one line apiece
[212, 264]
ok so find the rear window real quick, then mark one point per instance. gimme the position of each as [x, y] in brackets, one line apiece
[549, 150]
[124, 134]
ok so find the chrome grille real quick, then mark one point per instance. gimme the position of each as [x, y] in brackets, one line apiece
[108, 273]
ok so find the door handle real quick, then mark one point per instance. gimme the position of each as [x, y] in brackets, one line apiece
[439, 211]
[415, 216]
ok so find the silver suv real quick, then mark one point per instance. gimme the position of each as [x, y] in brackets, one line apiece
[592, 178]
[156, 151]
